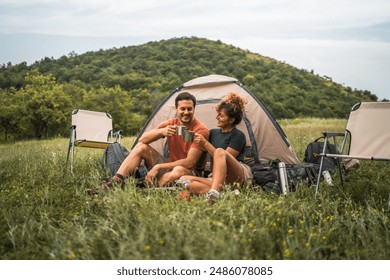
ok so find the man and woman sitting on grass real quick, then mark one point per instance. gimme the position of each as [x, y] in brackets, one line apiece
[225, 144]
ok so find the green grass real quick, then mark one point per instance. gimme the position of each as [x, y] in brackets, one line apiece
[46, 215]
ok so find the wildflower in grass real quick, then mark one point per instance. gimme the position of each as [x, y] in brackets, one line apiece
[307, 244]
[290, 231]
[286, 253]
[72, 256]
[147, 248]
[250, 225]
[324, 238]
[161, 242]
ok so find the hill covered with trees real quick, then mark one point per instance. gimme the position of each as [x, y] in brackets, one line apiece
[129, 82]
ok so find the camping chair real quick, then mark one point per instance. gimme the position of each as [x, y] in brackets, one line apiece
[91, 129]
[367, 135]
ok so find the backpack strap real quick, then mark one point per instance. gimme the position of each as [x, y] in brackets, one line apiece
[104, 158]
[118, 151]
[319, 138]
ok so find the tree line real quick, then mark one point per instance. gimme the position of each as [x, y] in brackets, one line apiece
[42, 107]
[129, 82]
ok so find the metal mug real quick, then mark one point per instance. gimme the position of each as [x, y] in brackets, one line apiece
[188, 136]
[180, 129]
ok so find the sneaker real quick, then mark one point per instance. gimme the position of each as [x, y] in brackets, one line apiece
[108, 184]
[182, 183]
[212, 196]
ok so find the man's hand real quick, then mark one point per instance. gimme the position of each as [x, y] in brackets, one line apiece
[150, 178]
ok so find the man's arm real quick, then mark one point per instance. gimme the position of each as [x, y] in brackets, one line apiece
[189, 162]
[157, 133]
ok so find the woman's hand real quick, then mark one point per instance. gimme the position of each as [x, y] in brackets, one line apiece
[199, 139]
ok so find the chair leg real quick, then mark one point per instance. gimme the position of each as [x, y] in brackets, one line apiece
[71, 147]
[72, 160]
[319, 175]
[67, 157]
[321, 165]
[388, 203]
[340, 172]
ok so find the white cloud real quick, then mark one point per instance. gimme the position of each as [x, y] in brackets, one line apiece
[338, 38]
[357, 64]
[125, 18]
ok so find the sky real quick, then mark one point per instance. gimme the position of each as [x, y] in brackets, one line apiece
[347, 40]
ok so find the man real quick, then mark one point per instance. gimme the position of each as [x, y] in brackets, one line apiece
[183, 156]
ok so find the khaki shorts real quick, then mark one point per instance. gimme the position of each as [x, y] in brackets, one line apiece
[162, 159]
[248, 175]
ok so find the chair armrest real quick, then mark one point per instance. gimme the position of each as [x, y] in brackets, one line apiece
[118, 135]
[332, 134]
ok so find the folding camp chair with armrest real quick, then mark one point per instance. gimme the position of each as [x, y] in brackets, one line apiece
[91, 129]
[367, 135]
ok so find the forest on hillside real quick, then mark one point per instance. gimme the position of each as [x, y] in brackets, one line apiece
[36, 100]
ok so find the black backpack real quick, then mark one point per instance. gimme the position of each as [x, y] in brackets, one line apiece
[268, 177]
[113, 156]
[313, 151]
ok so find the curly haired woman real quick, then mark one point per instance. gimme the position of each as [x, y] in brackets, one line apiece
[226, 147]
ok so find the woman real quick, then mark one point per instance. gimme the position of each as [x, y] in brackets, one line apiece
[226, 147]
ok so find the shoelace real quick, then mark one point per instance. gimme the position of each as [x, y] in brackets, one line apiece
[212, 196]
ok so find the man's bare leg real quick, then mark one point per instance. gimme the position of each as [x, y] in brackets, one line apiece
[133, 160]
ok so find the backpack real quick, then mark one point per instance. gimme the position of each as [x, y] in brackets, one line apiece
[265, 178]
[113, 156]
[313, 151]
[268, 177]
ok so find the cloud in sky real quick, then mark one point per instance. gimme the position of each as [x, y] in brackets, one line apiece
[348, 40]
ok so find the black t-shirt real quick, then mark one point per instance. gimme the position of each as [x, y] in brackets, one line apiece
[234, 139]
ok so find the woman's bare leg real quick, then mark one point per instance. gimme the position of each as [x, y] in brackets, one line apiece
[226, 169]
[198, 185]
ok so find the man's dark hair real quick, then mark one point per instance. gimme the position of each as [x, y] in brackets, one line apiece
[185, 96]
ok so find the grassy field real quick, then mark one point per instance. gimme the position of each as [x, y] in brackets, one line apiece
[45, 213]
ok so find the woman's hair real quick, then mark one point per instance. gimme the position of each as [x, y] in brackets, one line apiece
[234, 105]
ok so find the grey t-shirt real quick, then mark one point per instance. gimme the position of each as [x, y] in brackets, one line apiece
[234, 139]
